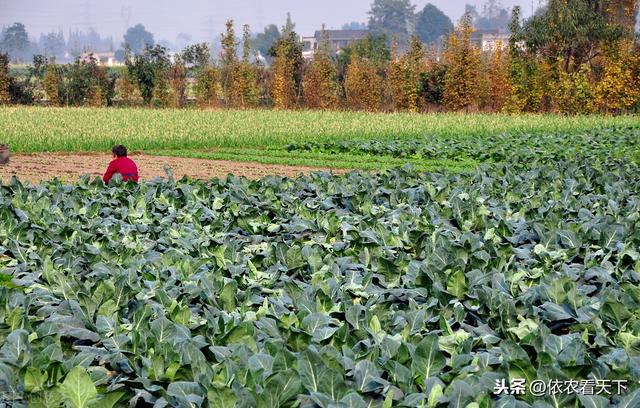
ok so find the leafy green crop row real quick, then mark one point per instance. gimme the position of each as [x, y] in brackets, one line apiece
[399, 289]
[620, 142]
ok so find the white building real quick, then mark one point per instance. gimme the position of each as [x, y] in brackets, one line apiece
[490, 40]
[105, 59]
[338, 40]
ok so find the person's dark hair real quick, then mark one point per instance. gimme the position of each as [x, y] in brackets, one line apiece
[119, 151]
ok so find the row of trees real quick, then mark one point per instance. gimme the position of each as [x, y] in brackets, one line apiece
[389, 17]
[543, 68]
[399, 18]
[15, 41]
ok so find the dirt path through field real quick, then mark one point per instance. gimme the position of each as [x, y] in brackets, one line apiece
[69, 167]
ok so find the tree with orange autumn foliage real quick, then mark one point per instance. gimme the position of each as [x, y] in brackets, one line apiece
[128, 92]
[404, 76]
[363, 85]
[177, 75]
[246, 93]
[320, 85]
[619, 87]
[498, 89]
[287, 62]
[463, 62]
[573, 92]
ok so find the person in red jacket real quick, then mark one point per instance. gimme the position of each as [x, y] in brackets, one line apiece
[121, 164]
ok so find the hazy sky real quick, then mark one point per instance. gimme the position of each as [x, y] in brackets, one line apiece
[199, 18]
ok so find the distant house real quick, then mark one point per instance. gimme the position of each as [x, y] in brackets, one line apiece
[338, 40]
[105, 59]
[490, 40]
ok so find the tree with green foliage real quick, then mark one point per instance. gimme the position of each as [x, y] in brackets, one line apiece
[392, 18]
[524, 72]
[162, 96]
[138, 39]
[571, 30]
[196, 56]
[374, 48]
[432, 80]
[432, 24]
[262, 42]
[22, 90]
[15, 41]
[149, 69]
[78, 83]
[4, 79]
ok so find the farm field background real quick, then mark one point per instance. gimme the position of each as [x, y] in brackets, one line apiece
[343, 139]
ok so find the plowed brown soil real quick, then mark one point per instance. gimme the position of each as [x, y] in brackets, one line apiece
[35, 168]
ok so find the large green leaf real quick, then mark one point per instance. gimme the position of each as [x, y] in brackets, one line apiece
[186, 394]
[107, 400]
[78, 389]
[428, 361]
[631, 400]
[16, 349]
[221, 398]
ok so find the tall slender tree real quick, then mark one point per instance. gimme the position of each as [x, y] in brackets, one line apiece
[432, 24]
[52, 84]
[320, 84]
[286, 71]
[393, 18]
[15, 41]
[527, 91]
[137, 39]
[463, 62]
[363, 85]
[405, 77]
[246, 93]
[229, 64]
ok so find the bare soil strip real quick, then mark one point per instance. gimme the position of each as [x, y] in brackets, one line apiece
[35, 168]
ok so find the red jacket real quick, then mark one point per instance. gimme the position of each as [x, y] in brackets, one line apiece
[123, 165]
